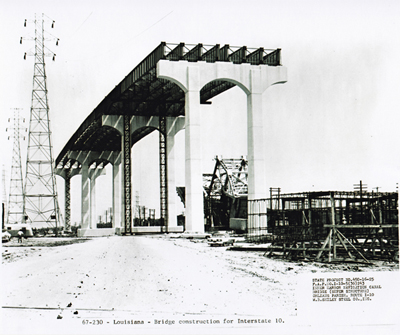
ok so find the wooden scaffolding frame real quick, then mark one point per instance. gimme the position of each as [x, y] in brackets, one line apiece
[331, 226]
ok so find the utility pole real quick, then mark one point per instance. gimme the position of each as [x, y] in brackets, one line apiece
[16, 196]
[40, 197]
[137, 206]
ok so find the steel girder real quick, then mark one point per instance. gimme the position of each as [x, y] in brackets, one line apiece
[140, 92]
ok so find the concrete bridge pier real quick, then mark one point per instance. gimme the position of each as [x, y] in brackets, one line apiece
[92, 178]
[93, 175]
[253, 80]
[116, 189]
[174, 125]
[137, 124]
[88, 189]
[85, 197]
[67, 174]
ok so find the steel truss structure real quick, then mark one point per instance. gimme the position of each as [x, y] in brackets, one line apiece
[40, 197]
[4, 203]
[225, 192]
[67, 186]
[329, 226]
[15, 209]
[127, 167]
[163, 171]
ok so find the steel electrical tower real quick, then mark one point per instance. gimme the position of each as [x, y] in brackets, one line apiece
[16, 196]
[4, 207]
[40, 197]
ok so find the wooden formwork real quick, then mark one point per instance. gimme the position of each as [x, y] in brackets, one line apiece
[332, 226]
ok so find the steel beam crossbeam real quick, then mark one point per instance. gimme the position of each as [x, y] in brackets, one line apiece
[211, 55]
[239, 56]
[273, 58]
[194, 55]
[127, 165]
[176, 53]
[256, 57]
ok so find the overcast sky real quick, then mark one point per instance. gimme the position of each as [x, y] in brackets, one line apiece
[334, 123]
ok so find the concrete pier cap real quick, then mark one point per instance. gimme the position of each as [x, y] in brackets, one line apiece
[250, 78]
[253, 80]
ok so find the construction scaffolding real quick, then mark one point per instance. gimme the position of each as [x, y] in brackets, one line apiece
[327, 226]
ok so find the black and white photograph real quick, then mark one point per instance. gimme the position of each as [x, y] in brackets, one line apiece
[200, 167]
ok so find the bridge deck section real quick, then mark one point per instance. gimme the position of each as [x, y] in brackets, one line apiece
[141, 93]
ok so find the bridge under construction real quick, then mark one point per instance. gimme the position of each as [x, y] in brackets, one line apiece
[164, 93]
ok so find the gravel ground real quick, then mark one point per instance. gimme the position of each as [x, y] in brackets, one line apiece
[65, 281]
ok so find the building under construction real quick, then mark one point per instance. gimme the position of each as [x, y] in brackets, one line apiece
[323, 226]
[327, 226]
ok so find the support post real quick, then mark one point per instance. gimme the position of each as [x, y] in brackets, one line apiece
[171, 190]
[193, 171]
[163, 170]
[127, 168]
[93, 200]
[85, 197]
[255, 147]
[333, 214]
[303, 224]
[116, 210]
[68, 200]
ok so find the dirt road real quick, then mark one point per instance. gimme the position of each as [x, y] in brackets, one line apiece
[142, 278]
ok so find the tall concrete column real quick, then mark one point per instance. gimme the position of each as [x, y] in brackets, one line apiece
[85, 214]
[118, 122]
[172, 219]
[193, 173]
[115, 196]
[257, 187]
[93, 201]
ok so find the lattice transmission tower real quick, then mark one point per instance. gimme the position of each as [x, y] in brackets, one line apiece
[4, 206]
[40, 197]
[15, 209]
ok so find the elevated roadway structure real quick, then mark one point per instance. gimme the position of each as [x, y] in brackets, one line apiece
[164, 92]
